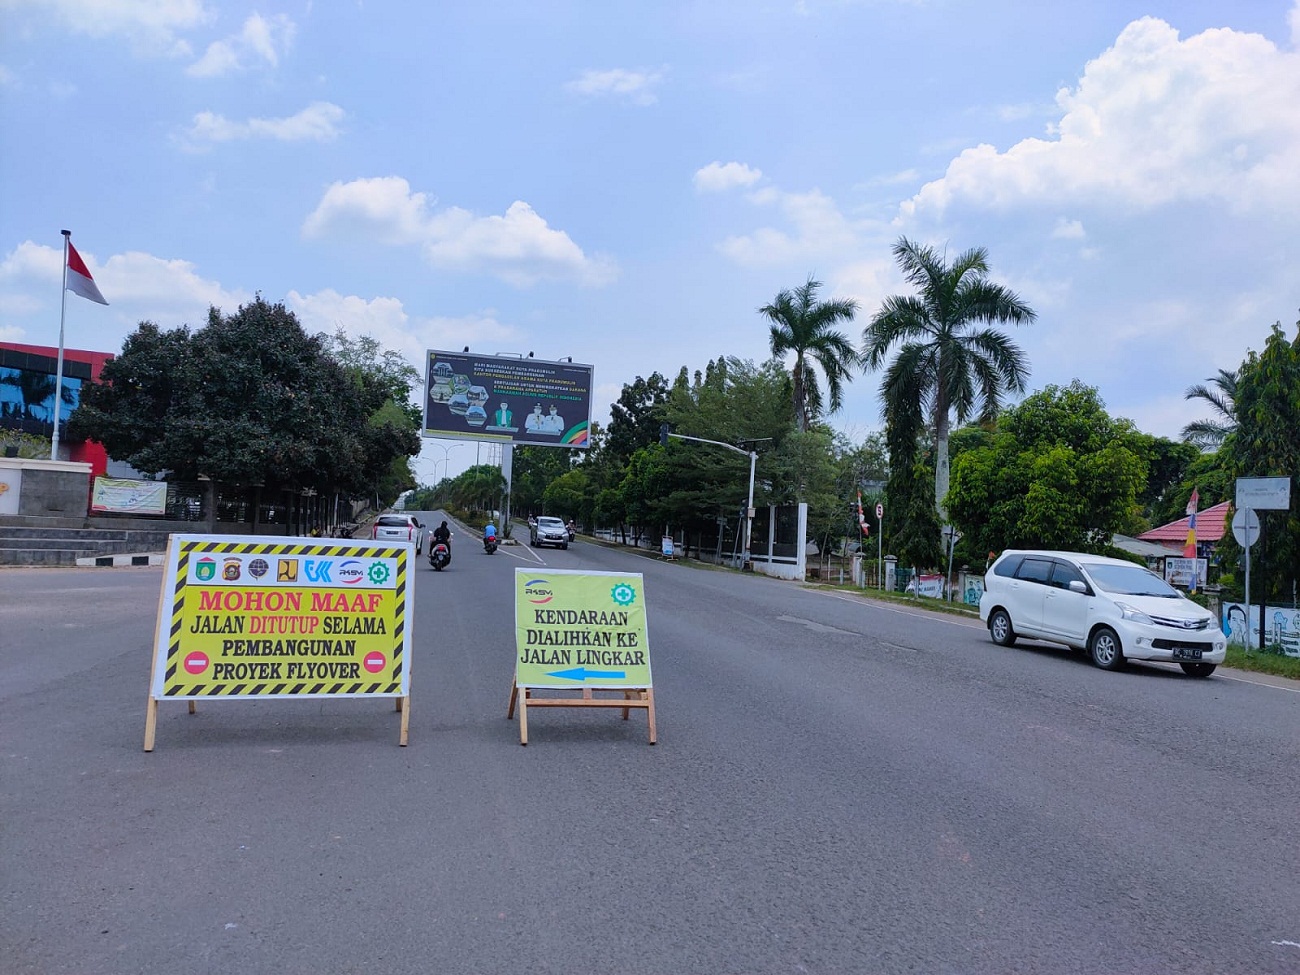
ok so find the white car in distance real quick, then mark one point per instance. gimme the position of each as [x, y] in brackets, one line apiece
[398, 528]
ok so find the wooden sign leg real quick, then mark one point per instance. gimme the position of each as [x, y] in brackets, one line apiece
[514, 695]
[404, 705]
[523, 718]
[193, 709]
[150, 723]
[650, 711]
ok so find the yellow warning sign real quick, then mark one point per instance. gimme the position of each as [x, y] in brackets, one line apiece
[256, 616]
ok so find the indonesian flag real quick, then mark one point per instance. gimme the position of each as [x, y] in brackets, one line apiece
[862, 520]
[1189, 546]
[79, 280]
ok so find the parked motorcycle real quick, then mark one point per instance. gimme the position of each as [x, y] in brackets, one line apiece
[440, 555]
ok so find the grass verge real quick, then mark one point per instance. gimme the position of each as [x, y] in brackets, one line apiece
[1277, 664]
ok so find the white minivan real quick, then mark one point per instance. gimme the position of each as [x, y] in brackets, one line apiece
[1113, 609]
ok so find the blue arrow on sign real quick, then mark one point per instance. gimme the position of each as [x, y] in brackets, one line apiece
[582, 673]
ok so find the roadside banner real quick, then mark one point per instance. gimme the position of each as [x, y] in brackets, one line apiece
[585, 631]
[245, 617]
[124, 495]
[1186, 573]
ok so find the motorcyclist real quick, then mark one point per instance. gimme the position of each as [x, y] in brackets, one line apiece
[489, 534]
[442, 534]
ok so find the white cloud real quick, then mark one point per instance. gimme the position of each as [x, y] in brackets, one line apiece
[717, 177]
[518, 247]
[383, 207]
[138, 287]
[895, 179]
[261, 41]
[819, 230]
[636, 87]
[386, 320]
[1068, 230]
[151, 25]
[1153, 120]
[318, 122]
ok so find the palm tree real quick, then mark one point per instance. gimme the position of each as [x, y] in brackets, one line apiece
[1210, 434]
[945, 364]
[805, 326]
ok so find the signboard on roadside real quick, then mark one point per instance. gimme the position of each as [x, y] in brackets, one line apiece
[1245, 527]
[1182, 572]
[582, 632]
[580, 629]
[253, 616]
[1263, 493]
[125, 495]
[507, 399]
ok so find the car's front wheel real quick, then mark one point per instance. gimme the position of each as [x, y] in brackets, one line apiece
[1000, 628]
[1105, 649]
[1193, 669]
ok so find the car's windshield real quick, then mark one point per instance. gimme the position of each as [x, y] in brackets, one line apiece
[392, 521]
[1129, 580]
[550, 522]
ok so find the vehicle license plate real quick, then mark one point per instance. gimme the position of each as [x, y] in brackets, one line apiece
[1187, 653]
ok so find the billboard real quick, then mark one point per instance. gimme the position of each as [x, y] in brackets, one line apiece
[507, 399]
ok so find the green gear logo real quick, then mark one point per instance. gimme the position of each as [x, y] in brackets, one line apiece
[378, 573]
[623, 594]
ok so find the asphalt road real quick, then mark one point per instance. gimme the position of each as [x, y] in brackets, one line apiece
[839, 786]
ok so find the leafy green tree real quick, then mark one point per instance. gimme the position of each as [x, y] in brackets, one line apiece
[533, 470]
[912, 529]
[568, 497]
[1058, 473]
[738, 403]
[635, 417]
[1211, 433]
[801, 324]
[1266, 443]
[478, 489]
[946, 365]
[382, 381]
[1173, 469]
[248, 399]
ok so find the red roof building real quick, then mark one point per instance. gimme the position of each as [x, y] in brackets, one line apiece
[1210, 526]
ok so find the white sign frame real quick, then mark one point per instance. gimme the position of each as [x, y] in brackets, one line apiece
[1264, 493]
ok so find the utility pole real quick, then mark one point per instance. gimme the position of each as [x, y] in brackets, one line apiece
[747, 564]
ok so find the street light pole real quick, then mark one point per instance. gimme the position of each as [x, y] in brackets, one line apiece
[747, 564]
[446, 457]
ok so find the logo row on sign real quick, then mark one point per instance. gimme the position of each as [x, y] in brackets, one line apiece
[233, 569]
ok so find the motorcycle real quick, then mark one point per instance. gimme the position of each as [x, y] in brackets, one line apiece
[490, 545]
[440, 555]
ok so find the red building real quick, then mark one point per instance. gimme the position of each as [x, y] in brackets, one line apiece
[27, 394]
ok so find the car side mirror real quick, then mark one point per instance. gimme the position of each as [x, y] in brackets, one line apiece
[1077, 586]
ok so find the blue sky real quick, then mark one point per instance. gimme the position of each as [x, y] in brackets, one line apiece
[627, 183]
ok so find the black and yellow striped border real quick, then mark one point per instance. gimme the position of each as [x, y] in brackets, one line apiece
[391, 688]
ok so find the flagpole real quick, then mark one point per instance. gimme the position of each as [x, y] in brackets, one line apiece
[58, 380]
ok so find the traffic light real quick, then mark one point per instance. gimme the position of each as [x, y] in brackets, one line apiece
[663, 434]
